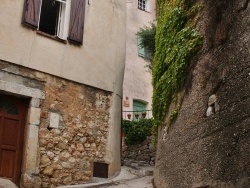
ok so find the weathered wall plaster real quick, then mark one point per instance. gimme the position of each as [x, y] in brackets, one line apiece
[137, 78]
[97, 62]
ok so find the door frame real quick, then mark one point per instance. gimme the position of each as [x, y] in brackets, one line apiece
[30, 157]
[22, 107]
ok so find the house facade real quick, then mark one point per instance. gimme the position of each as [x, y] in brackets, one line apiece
[60, 90]
[137, 88]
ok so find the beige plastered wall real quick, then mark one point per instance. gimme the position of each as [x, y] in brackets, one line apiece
[96, 63]
[137, 78]
[99, 62]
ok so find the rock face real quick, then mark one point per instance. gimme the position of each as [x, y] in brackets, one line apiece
[209, 143]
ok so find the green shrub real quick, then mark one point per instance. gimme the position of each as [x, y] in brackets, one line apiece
[136, 131]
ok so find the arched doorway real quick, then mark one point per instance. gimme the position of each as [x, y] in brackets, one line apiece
[12, 124]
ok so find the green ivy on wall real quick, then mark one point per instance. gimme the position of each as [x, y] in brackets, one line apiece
[176, 43]
[147, 35]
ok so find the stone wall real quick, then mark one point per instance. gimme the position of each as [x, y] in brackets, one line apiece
[73, 124]
[140, 154]
[208, 144]
[68, 152]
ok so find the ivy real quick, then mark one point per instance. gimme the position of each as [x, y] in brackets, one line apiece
[147, 34]
[176, 43]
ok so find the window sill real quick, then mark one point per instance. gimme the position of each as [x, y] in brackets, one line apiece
[51, 36]
[144, 10]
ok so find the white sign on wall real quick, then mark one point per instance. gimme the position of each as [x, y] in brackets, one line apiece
[54, 120]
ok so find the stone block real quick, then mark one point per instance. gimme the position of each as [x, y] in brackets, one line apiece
[37, 182]
[32, 149]
[26, 181]
[134, 164]
[212, 99]
[67, 180]
[21, 89]
[34, 116]
[34, 102]
[54, 120]
[210, 111]
[48, 171]
[45, 161]
[66, 165]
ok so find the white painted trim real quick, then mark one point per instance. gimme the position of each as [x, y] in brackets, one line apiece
[63, 19]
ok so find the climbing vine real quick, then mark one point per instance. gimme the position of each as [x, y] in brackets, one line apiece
[177, 41]
[147, 35]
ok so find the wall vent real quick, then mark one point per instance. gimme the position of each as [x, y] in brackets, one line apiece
[100, 170]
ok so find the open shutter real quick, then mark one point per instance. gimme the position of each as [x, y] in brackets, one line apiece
[63, 19]
[32, 12]
[141, 50]
[76, 24]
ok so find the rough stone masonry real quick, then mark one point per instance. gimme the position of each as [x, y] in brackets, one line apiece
[68, 125]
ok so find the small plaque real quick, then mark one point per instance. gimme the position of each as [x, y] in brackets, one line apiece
[54, 120]
[126, 102]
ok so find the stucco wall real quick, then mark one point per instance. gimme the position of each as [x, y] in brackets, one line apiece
[137, 79]
[99, 62]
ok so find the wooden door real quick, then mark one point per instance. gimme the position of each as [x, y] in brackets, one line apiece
[12, 123]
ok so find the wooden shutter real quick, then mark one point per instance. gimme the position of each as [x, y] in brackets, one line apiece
[138, 106]
[141, 51]
[76, 24]
[31, 12]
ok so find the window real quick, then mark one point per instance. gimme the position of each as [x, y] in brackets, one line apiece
[142, 52]
[60, 18]
[138, 107]
[8, 107]
[142, 4]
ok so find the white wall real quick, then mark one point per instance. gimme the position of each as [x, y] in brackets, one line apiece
[137, 79]
[99, 62]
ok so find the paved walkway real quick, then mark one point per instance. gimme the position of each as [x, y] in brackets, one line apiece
[4, 183]
[128, 178]
[141, 182]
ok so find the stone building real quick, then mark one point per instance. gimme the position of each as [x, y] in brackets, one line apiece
[137, 88]
[61, 74]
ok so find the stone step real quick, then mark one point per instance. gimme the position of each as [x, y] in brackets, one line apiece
[5, 183]
[142, 171]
